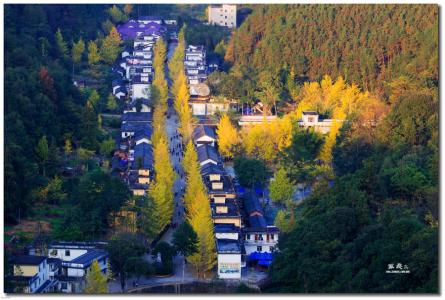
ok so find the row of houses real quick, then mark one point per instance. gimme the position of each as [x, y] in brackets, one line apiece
[197, 69]
[242, 234]
[133, 160]
[62, 267]
[136, 65]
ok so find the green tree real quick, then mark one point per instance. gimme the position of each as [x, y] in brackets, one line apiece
[111, 102]
[54, 191]
[77, 51]
[281, 188]
[148, 222]
[96, 281]
[250, 172]
[93, 54]
[110, 48]
[68, 148]
[98, 196]
[185, 239]
[138, 267]
[123, 248]
[42, 152]
[107, 147]
[94, 98]
[116, 14]
[62, 48]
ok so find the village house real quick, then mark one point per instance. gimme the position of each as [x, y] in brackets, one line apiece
[229, 258]
[31, 275]
[260, 239]
[207, 155]
[129, 128]
[76, 259]
[140, 86]
[204, 135]
[199, 96]
[222, 15]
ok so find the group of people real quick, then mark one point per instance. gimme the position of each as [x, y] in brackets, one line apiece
[177, 151]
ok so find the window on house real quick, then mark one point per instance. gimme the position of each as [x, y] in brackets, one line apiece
[67, 253]
[310, 119]
[64, 285]
[225, 17]
[53, 252]
[259, 248]
[272, 236]
[247, 236]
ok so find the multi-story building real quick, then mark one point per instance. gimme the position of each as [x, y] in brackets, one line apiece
[260, 239]
[31, 275]
[222, 15]
[76, 260]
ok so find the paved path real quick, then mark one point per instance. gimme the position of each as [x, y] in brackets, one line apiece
[182, 272]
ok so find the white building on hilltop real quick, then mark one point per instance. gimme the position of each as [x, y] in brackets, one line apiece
[222, 15]
[311, 119]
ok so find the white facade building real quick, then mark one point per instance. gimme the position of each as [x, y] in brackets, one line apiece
[222, 15]
[229, 259]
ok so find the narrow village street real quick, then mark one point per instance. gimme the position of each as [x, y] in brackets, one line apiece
[182, 272]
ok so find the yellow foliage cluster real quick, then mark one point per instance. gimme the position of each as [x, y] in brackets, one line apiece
[198, 212]
[267, 139]
[338, 99]
[161, 188]
[228, 137]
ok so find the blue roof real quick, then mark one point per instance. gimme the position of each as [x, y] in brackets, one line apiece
[88, 258]
[206, 152]
[257, 222]
[203, 130]
[211, 169]
[132, 126]
[137, 117]
[252, 203]
[226, 228]
[145, 132]
[143, 152]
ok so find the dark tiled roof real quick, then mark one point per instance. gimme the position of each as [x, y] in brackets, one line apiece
[252, 203]
[210, 169]
[232, 209]
[226, 228]
[88, 258]
[145, 132]
[28, 260]
[206, 152]
[203, 130]
[134, 126]
[227, 185]
[144, 153]
[137, 117]
[257, 222]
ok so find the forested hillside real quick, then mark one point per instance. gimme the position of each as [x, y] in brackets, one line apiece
[40, 99]
[381, 209]
[369, 45]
